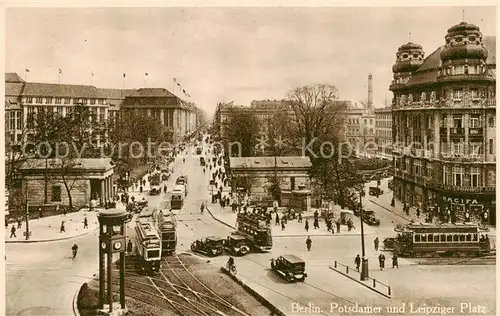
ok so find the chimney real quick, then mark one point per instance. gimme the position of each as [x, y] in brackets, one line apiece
[370, 92]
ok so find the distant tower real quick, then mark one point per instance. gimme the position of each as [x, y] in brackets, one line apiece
[370, 92]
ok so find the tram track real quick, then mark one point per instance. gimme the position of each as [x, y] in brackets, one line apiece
[176, 288]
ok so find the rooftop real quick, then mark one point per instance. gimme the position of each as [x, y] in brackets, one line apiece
[13, 77]
[269, 162]
[35, 89]
[102, 164]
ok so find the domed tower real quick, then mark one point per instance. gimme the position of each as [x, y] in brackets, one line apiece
[409, 58]
[464, 52]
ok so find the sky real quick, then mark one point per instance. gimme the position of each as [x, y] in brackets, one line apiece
[226, 54]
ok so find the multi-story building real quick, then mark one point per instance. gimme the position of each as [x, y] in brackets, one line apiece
[25, 99]
[359, 130]
[383, 132]
[444, 125]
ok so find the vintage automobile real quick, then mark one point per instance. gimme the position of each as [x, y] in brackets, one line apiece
[345, 215]
[210, 246]
[375, 191]
[155, 190]
[290, 267]
[236, 245]
[182, 180]
[370, 218]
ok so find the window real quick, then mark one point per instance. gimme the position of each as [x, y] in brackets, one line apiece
[407, 165]
[92, 101]
[474, 93]
[417, 237]
[67, 100]
[48, 100]
[418, 167]
[444, 121]
[475, 149]
[491, 146]
[100, 101]
[59, 110]
[445, 175]
[19, 120]
[458, 175]
[457, 93]
[31, 117]
[84, 100]
[457, 121]
[292, 183]
[474, 176]
[29, 100]
[101, 114]
[56, 193]
[12, 120]
[58, 100]
[457, 148]
[459, 70]
[371, 121]
[491, 121]
[429, 170]
[366, 121]
[19, 137]
[39, 100]
[474, 121]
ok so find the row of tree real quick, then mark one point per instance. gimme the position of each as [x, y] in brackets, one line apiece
[309, 122]
[80, 134]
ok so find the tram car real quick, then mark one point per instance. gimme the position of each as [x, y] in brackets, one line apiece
[166, 225]
[434, 240]
[147, 245]
[256, 229]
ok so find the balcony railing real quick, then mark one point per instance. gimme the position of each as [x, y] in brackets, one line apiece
[429, 182]
[476, 131]
[446, 77]
[443, 103]
[455, 131]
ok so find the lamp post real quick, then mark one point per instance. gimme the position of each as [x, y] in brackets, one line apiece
[364, 260]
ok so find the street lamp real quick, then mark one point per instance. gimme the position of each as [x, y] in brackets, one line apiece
[364, 260]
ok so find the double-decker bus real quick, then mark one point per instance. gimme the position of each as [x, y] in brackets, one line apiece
[256, 230]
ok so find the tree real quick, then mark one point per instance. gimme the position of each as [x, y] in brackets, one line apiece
[273, 187]
[67, 139]
[317, 124]
[242, 127]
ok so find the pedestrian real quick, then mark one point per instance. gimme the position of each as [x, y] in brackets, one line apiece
[392, 202]
[40, 213]
[13, 231]
[375, 243]
[306, 226]
[282, 224]
[19, 223]
[140, 189]
[63, 229]
[308, 243]
[328, 225]
[338, 226]
[381, 261]
[418, 212]
[6, 223]
[277, 219]
[395, 261]
[85, 223]
[357, 261]
[299, 218]
[316, 214]
[316, 223]
[129, 246]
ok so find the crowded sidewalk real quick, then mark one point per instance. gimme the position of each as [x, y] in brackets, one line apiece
[53, 228]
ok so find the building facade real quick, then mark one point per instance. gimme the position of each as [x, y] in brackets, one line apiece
[444, 125]
[359, 128]
[87, 179]
[383, 132]
[253, 175]
[24, 99]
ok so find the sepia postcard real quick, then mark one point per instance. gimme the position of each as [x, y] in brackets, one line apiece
[250, 159]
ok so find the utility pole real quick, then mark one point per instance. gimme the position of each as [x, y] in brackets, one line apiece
[45, 200]
[27, 222]
[364, 264]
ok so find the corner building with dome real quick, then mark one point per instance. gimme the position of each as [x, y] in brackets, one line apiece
[443, 113]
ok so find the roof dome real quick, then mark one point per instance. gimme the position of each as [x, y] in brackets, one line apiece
[409, 57]
[464, 41]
